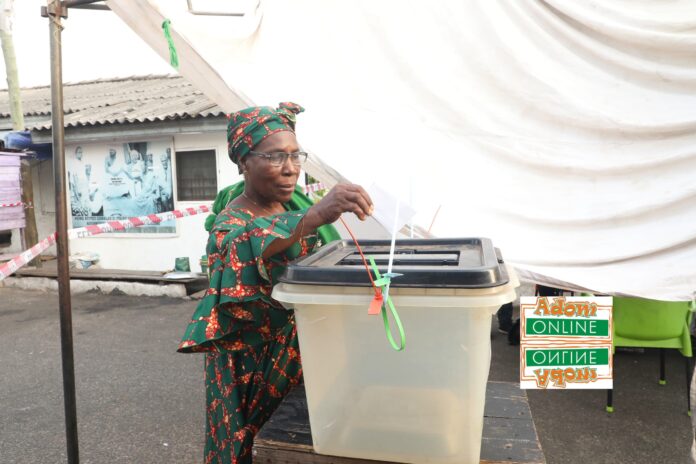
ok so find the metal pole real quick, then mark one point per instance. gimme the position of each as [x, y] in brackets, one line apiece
[75, 3]
[55, 11]
[98, 7]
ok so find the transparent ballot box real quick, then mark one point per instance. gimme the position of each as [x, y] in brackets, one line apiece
[366, 400]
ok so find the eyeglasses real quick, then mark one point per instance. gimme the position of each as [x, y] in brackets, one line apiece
[279, 158]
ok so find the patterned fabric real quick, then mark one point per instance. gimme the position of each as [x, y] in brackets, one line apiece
[327, 233]
[248, 127]
[242, 390]
[252, 356]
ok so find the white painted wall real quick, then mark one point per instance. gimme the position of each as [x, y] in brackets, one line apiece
[152, 251]
[155, 252]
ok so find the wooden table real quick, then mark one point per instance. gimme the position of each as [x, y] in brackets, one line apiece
[509, 435]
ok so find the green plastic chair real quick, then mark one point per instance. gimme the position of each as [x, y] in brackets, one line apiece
[644, 323]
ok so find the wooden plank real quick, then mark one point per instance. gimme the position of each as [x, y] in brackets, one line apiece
[11, 213]
[508, 432]
[9, 184]
[505, 399]
[510, 440]
[12, 161]
[12, 224]
[11, 192]
[289, 424]
[97, 274]
[192, 285]
[274, 453]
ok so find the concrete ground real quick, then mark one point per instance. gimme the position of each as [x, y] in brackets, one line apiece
[141, 402]
[138, 401]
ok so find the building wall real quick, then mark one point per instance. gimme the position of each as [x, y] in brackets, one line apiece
[157, 252]
[154, 252]
[45, 200]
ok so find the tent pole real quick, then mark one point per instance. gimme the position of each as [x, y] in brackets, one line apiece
[76, 3]
[55, 10]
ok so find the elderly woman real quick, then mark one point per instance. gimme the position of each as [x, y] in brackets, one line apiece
[252, 355]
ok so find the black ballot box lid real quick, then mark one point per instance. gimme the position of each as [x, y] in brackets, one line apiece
[424, 263]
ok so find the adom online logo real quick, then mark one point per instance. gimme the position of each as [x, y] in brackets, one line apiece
[566, 342]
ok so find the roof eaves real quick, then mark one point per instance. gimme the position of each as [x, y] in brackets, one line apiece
[123, 120]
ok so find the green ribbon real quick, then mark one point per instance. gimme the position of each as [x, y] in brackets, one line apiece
[383, 283]
[173, 56]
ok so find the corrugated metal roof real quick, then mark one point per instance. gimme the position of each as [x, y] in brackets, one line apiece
[122, 100]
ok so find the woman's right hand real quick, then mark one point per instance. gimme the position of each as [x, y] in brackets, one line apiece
[343, 198]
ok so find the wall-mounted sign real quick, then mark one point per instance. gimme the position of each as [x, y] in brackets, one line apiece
[121, 180]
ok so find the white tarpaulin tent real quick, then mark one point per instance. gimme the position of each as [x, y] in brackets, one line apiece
[563, 130]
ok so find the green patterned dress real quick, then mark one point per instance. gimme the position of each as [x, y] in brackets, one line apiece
[252, 356]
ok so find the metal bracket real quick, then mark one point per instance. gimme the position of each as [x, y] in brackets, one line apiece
[79, 3]
[96, 6]
[54, 9]
[60, 8]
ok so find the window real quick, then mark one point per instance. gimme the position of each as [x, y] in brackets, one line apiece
[196, 175]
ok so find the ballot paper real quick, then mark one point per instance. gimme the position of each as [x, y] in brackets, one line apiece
[385, 212]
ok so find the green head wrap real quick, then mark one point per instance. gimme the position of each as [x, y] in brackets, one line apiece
[248, 127]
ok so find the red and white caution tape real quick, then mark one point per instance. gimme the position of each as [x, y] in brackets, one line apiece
[11, 205]
[151, 219]
[11, 266]
[14, 264]
[314, 187]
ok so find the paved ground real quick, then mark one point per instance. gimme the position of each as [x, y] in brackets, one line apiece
[141, 402]
[138, 400]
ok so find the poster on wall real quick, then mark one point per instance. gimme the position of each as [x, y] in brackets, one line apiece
[121, 180]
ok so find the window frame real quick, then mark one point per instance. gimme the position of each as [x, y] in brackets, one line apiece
[177, 167]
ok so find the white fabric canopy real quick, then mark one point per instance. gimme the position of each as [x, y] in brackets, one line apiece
[563, 130]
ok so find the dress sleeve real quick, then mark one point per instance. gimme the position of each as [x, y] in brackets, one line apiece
[235, 255]
[263, 231]
[238, 302]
